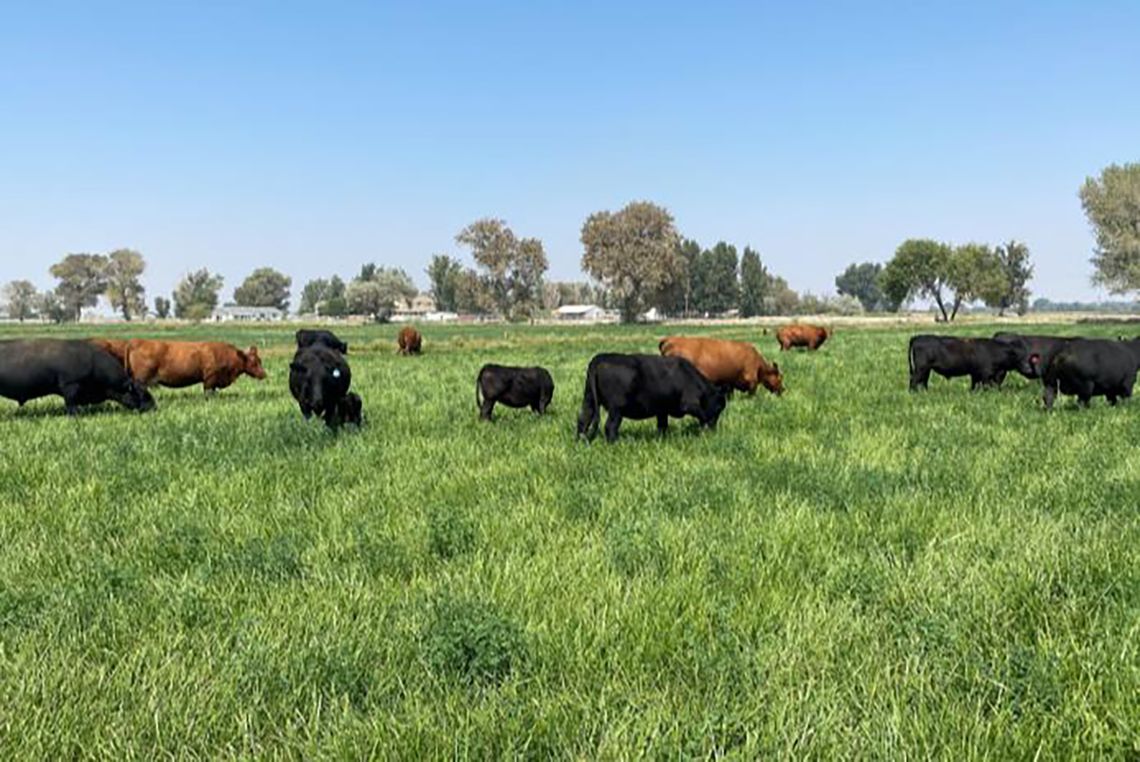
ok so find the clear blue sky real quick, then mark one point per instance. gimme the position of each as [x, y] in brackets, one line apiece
[315, 136]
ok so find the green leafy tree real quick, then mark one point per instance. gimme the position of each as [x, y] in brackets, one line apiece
[716, 289]
[862, 282]
[920, 267]
[264, 287]
[512, 267]
[82, 280]
[161, 307]
[634, 253]
[196, 295]
[781, 299]
[52, 308]
[973, 273]
[753, 284]
[472, 293]
[1112, 205]
[312, 295]
[125, 291]
[444, 273]
[21, 298]
[1013, 259]
[335, 303]
[377, 289]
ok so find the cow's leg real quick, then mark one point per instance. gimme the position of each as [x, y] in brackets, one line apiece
[613, 421]
[1049, 395]
[662, 424]
[1111, 399]
[920, 378]
[70, 394]
[486, 409]
[998, 378]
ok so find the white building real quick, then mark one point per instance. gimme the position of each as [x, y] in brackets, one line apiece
[580, 312]
[235, 313]
[419, 306]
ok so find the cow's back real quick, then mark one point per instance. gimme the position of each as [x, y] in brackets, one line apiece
[719, 360]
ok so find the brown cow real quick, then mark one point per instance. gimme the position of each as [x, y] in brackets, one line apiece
[409, 341]
[117, 348]
[184, 363]
[732, 363]
[810, 336]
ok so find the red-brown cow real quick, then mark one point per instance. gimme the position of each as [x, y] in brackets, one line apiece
[409, 341]
[726, 363]
[117, 348]
[810, 336]
[184, 363]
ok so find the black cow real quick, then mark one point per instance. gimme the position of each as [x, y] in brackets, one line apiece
[513, 387]
[78, 371]
[985, 361]
[646, 386]
[319, 379]
[1034, 352]
[350, 409]
[1091, 368]
[308, 337]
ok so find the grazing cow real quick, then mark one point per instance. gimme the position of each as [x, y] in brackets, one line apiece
[409, 341]
[810, 336]
[116, 347]
[513, 387]
[184, 363]
[350, 409]
[307, 337]
[734, 364]
[76, 370]
[1034, 351]
[1091, 368]
[319, 379]
[646, 386]
[985, 361]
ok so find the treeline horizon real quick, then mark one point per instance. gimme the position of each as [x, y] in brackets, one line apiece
[636, 262]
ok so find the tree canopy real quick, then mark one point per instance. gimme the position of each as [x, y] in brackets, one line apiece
[862, 282]
[82, 280]
[125, 291]
[512, 267]
[444, 272]
[375, 291]
[196, 295]
[264, 287]
[1112, 205]
[21, 296]
[634, 253]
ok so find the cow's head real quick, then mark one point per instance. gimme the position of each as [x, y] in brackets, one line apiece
[252, 362]
[772, 379]
[134, 396]
[1035, 365]
[323, 377]
[713, 402]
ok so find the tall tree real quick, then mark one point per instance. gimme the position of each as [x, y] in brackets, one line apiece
[264, 287]
[972, 273]
[335, 303]
[124, 290]
[21, 298]
[920, 267]
[781, 298]
[472, 294]
[1112, 205]
[716, 289]
[161, 307]
[862, 282]
[311, 295]
[753, 284]
[52, 308]
[633, 253]
[444, 273]
[1013, 259]
[512, 267]
[82, 280]
[196, 295]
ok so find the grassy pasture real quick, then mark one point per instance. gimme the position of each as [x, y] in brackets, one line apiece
[847, 571]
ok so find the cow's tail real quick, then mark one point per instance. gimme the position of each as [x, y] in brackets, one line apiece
[910, 356]
[588, 416]
[478, 389]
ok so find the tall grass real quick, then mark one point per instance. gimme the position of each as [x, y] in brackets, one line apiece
[847, 571]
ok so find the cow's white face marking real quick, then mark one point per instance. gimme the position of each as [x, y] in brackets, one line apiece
[336, 372]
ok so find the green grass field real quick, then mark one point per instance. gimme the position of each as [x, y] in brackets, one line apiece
[847, 571]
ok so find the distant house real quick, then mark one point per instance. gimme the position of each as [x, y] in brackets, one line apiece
[580, 312]
[235, 313]
[419, 306]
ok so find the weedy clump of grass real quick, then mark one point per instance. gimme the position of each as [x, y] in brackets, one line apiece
[451, 533]
[473, 641]
[635, 547]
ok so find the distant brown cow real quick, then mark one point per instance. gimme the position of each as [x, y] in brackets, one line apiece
[730, 363]
[184, 363]
[409, 341]
[810, 336]
[117, 348]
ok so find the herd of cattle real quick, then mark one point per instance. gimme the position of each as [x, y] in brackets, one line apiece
[690, 376]
[1073, 365]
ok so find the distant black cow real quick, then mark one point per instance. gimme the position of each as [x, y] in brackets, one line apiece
[513, 387]
[1034, 352]
[646, 386]
[1091, 368]
[319, 379]
[78, 371]
[985, 361]
[307, 337]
